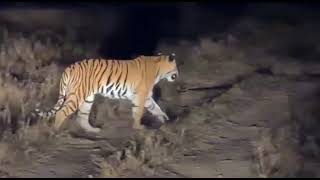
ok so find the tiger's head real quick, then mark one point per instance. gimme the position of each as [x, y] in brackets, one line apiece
[168, 67]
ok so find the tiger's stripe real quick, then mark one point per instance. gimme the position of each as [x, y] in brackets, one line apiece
[115, 79]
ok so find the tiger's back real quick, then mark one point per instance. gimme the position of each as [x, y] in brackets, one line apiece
[106, 77]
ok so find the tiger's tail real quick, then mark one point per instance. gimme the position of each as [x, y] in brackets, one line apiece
[58, 105]
[52, 111]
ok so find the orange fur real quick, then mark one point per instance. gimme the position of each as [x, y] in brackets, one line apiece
[134, 78]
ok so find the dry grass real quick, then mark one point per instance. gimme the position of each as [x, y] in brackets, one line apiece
[84, 24]
[141, 156]
[29, 75]
[277, 157]
[30, 68]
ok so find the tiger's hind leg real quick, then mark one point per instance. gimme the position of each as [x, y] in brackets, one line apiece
[84, 114]
[68, 108]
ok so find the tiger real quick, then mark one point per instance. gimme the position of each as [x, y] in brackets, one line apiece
[132, 79]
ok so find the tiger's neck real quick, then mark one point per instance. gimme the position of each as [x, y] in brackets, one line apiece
[148, 70]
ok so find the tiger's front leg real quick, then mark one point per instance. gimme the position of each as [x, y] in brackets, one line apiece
[155, 110]
[138, 110]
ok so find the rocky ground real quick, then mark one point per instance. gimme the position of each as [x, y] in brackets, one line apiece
[239, 109]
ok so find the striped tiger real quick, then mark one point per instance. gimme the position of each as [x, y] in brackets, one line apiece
[116, 79]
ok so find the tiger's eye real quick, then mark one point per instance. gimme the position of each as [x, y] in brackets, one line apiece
[174, 76]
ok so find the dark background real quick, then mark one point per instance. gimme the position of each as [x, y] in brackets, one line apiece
[144, 24]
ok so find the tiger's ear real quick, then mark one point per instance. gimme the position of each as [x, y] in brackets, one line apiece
[172, 57]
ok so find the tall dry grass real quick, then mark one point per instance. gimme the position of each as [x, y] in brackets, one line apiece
[30, 69]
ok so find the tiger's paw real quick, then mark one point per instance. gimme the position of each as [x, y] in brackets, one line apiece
[139, 127]
[93, 130]
[163, 118]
